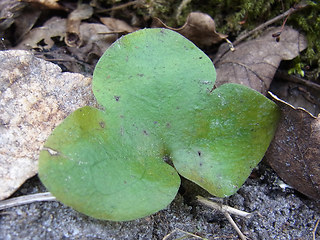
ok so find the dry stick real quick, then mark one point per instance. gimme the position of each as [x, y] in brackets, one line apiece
[315, 230]
[182, 6]
[179, 230]
[226, 210]
[128, 4]
[38, 197]
[223, 208]
[294, 9]
[296, 79]
[234, 225]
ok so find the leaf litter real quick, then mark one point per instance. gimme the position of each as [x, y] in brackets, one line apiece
[255, 62]
[199, 28]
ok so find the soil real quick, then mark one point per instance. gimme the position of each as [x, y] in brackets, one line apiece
[278, 213]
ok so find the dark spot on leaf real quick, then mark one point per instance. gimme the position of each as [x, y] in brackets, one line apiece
[145, 132]
[140, 74]
[117, 98]
[200, 57]
[121, 116]
[199, 153]
[162, 32]
[168, 125]
[102, 124]
[200, 164]
[125, 182]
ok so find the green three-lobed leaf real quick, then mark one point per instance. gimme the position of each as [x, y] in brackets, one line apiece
[154, 86]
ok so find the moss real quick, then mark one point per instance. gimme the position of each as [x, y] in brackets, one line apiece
[308, 21]
[163, 9]
[233, 17]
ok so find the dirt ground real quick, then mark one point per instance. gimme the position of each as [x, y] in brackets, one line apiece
[279, 213]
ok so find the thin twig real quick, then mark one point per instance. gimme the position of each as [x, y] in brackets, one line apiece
[292, 78]
[315, 229]
[18, 201]
[234, 225]
[124, 5]
[292, 10]
[226, 210]
[182, 6]
[185, 232]
[223, 208]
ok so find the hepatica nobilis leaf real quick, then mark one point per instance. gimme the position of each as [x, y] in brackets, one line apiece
[154, 86]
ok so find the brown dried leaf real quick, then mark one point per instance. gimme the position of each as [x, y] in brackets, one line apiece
[73, 37]
[54, 27]
[199, 28]
[117, 26]
[9, 10]
[25, 22]
[49, 4]
[93, 42]
[295, 151]
[34, 97]
[255, 62]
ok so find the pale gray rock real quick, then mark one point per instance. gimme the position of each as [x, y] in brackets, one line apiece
[35, 96]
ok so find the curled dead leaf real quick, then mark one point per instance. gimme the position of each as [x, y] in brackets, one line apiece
[54, 27]
[93, 41]
[25, 22]
[49, 4]
[294, 153]
[9, 11]
[199, 28]
[117, 26]
[73, 37]
[34, 97]
[254, 63]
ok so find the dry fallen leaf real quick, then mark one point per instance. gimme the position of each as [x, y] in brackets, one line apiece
[255, 62]
[49, 4]
[73, 36]
[117, 26]
[34, 97]
[25, 22]
[295, 151]
[9, 11]
[199, 28]
[93, 41]
[54, 27]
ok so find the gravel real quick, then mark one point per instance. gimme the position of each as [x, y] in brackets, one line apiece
[278, 213]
